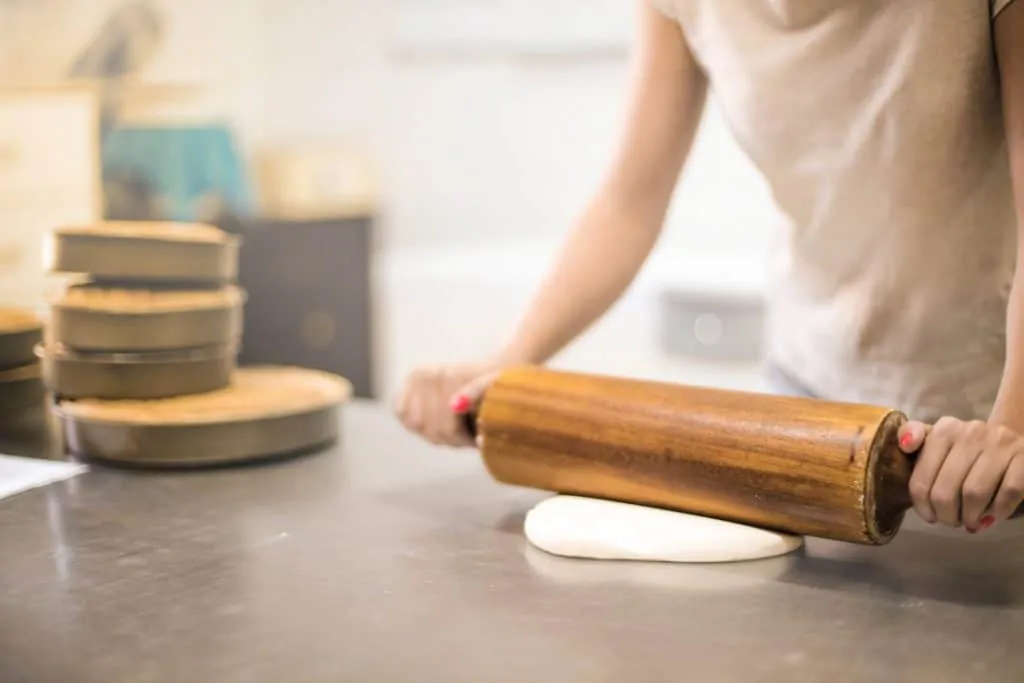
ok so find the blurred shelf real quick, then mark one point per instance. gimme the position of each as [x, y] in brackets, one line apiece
[316, 182]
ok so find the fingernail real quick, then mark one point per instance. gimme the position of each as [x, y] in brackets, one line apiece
[906, 440]
[460, 404]
[987, 521]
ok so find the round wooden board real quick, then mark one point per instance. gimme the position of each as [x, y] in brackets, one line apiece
[265, 412]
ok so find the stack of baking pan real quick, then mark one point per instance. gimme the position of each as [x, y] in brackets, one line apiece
[21, 387]
[140, 355]
[154, 314]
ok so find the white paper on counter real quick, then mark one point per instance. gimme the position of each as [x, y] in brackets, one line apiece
[19, 474]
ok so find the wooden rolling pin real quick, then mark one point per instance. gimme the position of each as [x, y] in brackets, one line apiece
[802, 466]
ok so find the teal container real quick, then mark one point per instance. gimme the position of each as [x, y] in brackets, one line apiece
[180, 166]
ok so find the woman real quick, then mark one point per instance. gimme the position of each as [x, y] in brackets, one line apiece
[879, 127]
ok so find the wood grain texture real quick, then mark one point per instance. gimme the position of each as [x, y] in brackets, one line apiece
[800, 466]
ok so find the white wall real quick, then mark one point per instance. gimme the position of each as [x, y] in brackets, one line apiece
[213, 44]
[475, 151]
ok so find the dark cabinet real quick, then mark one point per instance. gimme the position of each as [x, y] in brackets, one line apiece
[309, 296]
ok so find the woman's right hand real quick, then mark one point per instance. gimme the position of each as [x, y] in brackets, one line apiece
[435, 398]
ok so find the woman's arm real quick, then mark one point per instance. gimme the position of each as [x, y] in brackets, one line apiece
[608, 244]
[972, 473]
[620, 226]
[1009, 39]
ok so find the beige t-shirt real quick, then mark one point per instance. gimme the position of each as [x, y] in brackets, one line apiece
[877, 126]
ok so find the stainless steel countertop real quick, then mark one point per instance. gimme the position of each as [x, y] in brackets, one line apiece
[385, 560]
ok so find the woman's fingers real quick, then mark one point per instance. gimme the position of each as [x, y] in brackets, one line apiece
[983, 482]
[929, 463]
[466, 400]
[947, 497]
[440, 416]
[911, 436]
[473, 391]
[418, 419]
[434, 400]
[1011, 490]
[966, 473]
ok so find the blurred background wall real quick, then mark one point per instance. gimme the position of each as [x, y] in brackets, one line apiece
[460, 163]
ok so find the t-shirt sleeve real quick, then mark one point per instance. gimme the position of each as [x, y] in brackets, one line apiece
[996, 5]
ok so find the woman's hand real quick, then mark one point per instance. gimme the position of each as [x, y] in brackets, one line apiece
[968, 474]
[434, 399]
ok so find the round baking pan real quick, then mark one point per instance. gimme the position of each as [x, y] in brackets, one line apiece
[20, 331]
[72, 374]
[153, 320]
[21, 390]
[265, 413]
[152, 252]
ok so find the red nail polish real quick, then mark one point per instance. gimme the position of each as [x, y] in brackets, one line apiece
[906, 440]
[987, 521]
[460, 404]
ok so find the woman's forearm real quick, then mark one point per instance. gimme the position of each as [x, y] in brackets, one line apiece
[1009, 406]
[596, 265]
[1009, 43]
[621, 225]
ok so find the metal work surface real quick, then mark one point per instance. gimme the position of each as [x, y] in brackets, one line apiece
[386, 560]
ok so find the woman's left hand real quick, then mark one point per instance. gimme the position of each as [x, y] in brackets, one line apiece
[968, 474]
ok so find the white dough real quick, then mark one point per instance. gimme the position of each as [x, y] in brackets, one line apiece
[574, 526]
[699, 576]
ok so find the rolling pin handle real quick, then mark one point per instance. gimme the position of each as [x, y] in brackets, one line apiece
[469, 423]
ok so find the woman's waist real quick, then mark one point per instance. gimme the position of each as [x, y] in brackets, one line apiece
[961, 383]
